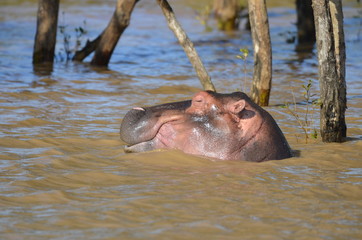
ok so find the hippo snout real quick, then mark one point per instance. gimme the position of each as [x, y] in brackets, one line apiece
[130, 124]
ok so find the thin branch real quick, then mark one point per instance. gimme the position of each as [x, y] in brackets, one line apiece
[187, 45]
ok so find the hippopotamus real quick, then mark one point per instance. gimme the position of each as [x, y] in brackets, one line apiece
[214, 125]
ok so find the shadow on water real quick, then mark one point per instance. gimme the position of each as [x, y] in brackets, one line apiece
[304, 51]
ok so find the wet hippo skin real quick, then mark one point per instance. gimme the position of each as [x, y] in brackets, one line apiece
[222, 126]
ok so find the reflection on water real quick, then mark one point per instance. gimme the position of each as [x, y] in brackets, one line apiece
[64, 174]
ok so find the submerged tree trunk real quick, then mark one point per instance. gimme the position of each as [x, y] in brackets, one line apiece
[328, 17]
[227, 14]
[187, 45]
[305, 21]
[262, 77]
[110, 36]
[89, 47]
[46, 31]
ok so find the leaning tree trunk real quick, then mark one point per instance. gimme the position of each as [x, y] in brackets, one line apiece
[328, 18]
[110, 36]
[89, 47]
[305, 21]
[262, 77]
[187, 45]
[46, 31]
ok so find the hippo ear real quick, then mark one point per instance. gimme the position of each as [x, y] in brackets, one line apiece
[237, 107]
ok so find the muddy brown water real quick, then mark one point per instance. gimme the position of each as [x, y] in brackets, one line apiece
[63, 172]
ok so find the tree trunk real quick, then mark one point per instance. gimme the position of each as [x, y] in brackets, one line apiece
[187, 45]
[328, 18]
[110, 36]
[305, 22]
[46, 31]
[227, 14]
[89, 47]
[262, 77]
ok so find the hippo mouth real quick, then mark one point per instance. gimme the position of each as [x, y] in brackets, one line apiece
[163, 137]
[161, 134]
[139, 147]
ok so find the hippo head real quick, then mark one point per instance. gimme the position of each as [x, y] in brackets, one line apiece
[222, 126]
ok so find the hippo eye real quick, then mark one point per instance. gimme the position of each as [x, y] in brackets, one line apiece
[198, 99]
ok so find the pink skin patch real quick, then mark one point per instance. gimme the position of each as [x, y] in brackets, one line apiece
[139, 108]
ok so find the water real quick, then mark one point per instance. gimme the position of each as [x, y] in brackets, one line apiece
[63, 171]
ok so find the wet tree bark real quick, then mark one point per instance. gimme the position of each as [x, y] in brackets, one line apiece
[262, 76]
[328, 18]
[110, 36]
[89, 47]
[46, 31]
[227, 14]
[305, 21]
[187, 45]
